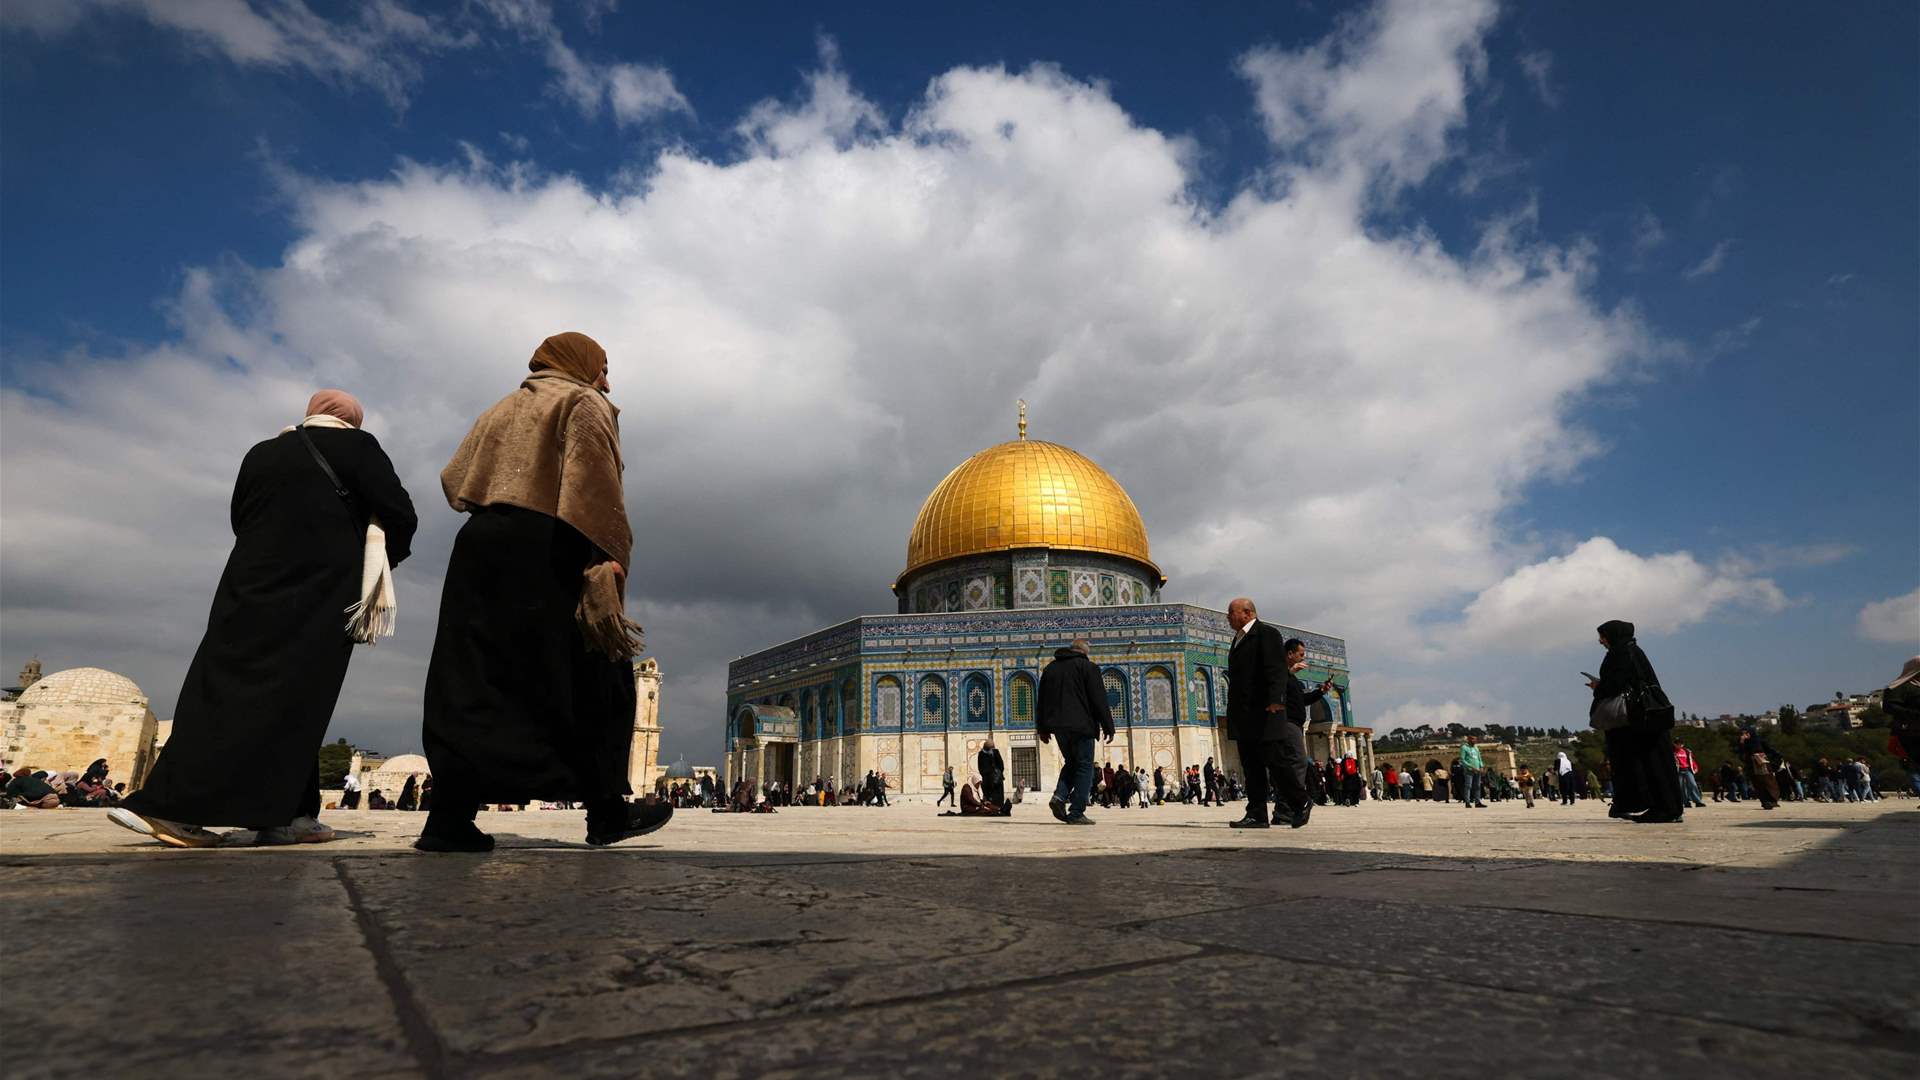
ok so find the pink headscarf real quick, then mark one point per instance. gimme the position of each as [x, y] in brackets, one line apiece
[338, 404]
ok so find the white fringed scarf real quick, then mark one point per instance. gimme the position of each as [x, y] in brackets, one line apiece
[372, 616]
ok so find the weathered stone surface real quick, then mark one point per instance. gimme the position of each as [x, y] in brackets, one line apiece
[541, 949]
[1843, 991]
[202, 966]
[1232, 1015]
[836, 941]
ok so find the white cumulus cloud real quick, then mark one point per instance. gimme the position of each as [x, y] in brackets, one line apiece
[1896, 620]
[1559, 601]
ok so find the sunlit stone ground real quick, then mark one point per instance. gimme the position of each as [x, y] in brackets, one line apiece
[1388, 940]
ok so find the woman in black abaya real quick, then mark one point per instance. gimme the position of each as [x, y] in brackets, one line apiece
[1646, 783]
[263, 683]
[530, 693]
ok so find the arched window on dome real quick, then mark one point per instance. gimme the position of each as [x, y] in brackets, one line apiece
[933, 702]
[1020, 690]
[976, 701]
[849, 707]
[1159, 694]
[1199, 697]
[1116, 683]
[886, 702]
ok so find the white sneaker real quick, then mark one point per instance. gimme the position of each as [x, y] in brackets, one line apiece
[171, 833]
[301, 830]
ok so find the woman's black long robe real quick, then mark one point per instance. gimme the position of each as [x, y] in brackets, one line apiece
[1645, 778]
[517, 708]
[254, 709]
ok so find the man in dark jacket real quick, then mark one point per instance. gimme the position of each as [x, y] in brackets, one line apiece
[1073, 705]
[1267, 716]
[993, 777]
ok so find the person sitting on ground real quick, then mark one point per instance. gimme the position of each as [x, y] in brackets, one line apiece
[96, 786]
[974, 804]
[378, 801]
[68, 786]
[32, 789]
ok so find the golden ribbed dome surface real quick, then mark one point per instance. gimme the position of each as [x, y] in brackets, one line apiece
[1026, 494]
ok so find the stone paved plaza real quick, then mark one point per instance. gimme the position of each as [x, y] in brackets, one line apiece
[1386, 940]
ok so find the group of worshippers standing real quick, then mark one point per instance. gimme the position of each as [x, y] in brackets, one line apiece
[529, 693]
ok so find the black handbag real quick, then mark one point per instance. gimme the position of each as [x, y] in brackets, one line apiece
[1647, 704]
[1608, 713]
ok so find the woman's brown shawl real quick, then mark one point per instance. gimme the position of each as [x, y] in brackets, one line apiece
[552, 446]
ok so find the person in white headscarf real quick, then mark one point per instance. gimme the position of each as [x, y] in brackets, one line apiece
[1563, 776]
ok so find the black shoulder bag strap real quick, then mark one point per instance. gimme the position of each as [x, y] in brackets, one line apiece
[320, 459]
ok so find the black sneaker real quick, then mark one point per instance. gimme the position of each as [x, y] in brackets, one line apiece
[1078, 819]
[1300, 816]
[642, 818]
[1249, 823]
[1059, 809]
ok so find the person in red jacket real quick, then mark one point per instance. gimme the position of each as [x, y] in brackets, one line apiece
[1689, 769]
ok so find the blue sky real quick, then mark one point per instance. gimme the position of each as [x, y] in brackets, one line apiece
[1714, 205]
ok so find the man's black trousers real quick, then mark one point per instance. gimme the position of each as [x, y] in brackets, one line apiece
[1285, 761]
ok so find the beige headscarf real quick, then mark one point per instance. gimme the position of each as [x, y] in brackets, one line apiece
[553, 447]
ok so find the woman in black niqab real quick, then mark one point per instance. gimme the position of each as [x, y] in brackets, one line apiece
[1646, 783]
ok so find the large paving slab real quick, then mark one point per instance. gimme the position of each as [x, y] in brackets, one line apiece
[1226, 1015]
[1382, 940]
[190, 968]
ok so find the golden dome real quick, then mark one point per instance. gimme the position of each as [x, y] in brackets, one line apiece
[1026, 494]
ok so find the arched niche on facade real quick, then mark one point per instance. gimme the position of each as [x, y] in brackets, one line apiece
[976, 700]
[931, 702]
[849, 706]
[1020, 695]
[889, 702]
[1158, 692]
[1115, 682]
[1200, 696]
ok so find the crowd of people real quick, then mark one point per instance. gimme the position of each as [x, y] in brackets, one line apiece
[768, 796]
[29, 788]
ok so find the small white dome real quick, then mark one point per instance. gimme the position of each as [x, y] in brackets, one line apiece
[83, 686]
[405, 763]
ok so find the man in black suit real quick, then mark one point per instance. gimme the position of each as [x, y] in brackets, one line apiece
[1267, 715]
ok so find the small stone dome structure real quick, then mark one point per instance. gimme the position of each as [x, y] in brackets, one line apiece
[389, 778]
[70, 718]
[83, 686]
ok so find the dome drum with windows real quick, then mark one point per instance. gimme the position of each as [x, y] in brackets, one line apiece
[1022, 548]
